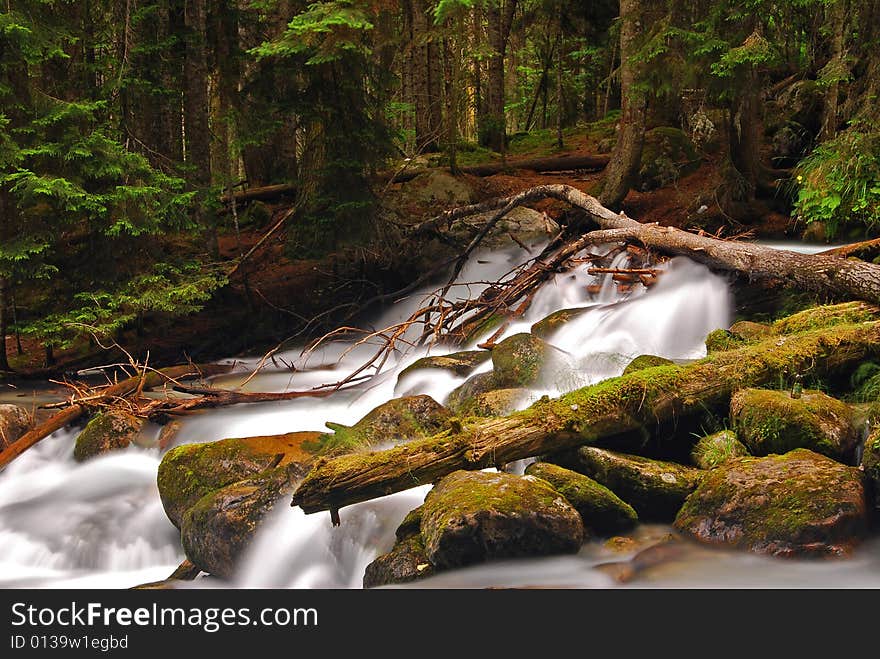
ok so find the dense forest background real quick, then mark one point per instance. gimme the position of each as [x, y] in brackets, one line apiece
[131, 129]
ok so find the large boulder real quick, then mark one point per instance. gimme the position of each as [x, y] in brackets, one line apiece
[14, 422]
[523, 222]
[407, 560]
[656, 489]
[471, 517]
[495, 402]
[399, 419]
[602, 511]
[217, 530]
[523, 360]
[871, 465]
[769, 421]
[547, 326]
[459, 363]
[716, 449]
[191, 471]
[799, 503]
[107, 431]
[438, 188]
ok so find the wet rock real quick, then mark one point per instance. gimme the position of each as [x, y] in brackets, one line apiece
[750, 331]
[716, 449]
[107, 431]
[191, 471]
[400, 419]
[471, 517]
[14, 422]
[769, 421]
[654, 488]
[601, 510]
[522, 359]
[407, 561]
[871, 466]
[217, 530]
[646, 361]
[459, 363]
[799, 503]
[666, 551]
[546, 327]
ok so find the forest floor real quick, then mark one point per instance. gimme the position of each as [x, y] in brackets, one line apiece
[279, 292]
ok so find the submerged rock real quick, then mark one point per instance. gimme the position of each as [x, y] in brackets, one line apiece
[799, 503]
[14, 422]
[601, 510]
[871, 465]
[716, 449]
[189, 472]
[217, 530]
[768, 421]
[546, 327]
[471, 517]
[646, 361]
[654, 488]
[400, 419]
[459, 363]
[107, 431]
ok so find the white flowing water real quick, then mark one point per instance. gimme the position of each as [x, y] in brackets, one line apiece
[101, 524]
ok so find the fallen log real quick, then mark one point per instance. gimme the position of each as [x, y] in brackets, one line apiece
[262, 193]
[638, 400]
[121, 389]
[865, 250]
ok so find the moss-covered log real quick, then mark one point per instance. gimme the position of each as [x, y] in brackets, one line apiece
[634, 401]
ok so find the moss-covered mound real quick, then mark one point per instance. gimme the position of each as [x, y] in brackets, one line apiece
[654, 488]
[721, 340]
[189, 472]
[471, 517]
[496, 402]
[14, 422]
[751, 331]
[769, 421]
[400, 419]
[800, 503]
[871, 465]
[716, 449]
[547, 327]
[459, 363]
[602, 511]
[668, 154]
[220, 526]
[848, 313]
[645, 361]
[107, 431]
[520, 361]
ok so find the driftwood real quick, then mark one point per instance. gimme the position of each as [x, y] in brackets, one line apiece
[78, 406]
[637, 400]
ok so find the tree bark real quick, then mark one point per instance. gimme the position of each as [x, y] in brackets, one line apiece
[427, 133]
[832, 95]
[4, 322]
[639, 400]
[499, 18]
[623, 169]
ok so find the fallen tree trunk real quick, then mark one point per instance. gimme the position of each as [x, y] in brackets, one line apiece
[119, 390]
[865, 250]
[637, 400]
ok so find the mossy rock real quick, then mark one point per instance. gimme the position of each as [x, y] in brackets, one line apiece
[748, 331]
[459, 363]
[656, 489]
[645, 361]
[14, 422]
[407, 561]
[522, 360]
[547, 327]
[523, 222]
[472, 517]
[847, 313]
[716, 449]
[796, 504]
[190, 471]
[668, 154]
[497, 402]
[398, 420]
[438, 187]
[602, 511]
[107, 431]
[721, 340]
[871, 466]
[769, 421]
[218, 529]
[464, 395]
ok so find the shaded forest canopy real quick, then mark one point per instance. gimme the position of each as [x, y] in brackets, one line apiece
[128, 127]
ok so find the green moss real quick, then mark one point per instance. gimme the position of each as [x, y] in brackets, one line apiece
[460, 363]
[519, 360]
[848, 313]
[645, 361]
[871, 465]
[716, 449]
[107, 431]
[720, 340]
[751, 331]
[496, 402]
[546, 327]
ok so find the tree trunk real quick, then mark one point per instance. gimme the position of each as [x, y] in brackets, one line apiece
[198, 135]
[639, 400]
[169, 139]
[830, 120]
[559, 104]
[745, 136]
[427, 138]
[622, 172]
[499, 18]
[450, 81]
[4, 322]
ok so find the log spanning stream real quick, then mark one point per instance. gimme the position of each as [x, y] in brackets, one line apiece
[101, 524]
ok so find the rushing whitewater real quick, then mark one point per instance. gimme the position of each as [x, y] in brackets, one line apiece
[101, 523]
